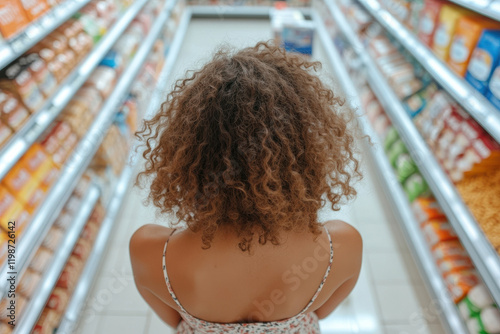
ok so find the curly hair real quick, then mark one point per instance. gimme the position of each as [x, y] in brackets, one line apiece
[252, 142]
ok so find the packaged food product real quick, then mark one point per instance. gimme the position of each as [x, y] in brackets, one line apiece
[448, 18]
[20, 82]
[487, 321]
[43, 77]
[391, 137]
[90, 231]
[5, 133]
[53, 238]
[58, 300]
[28, 282]
[438, 230]
[82, 186]
[493, 92]
[63, 220]
[47, 322]
[41, 260]
[448, 249]
[298, 36]
[477, 299]
[20, 182]
[82, 249]
[467, 33]
[405, 167]
[396, 149]
[20, 304]
[12, 112]
[103, 79]
[70, 273]
[12, 18]
[428, 20]
[11, 210]
[3, 246]
[484, 59]
[417, 102]
[431, 120]
[460, 283]
[426, 208]
[454, 263]
[34, 8]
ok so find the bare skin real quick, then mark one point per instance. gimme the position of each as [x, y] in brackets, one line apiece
[225, 285]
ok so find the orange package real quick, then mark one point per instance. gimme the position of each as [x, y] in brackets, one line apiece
[26, 187]
[448, 248]
[426, 208]
[438, 230]
[11, 210]
[5, 133]
[3, 246]
[34, 8]
[448, 19]
[12, 18]
[41, 166]
[428, 20]
[455, 263]
[467, 33]
[459, 283]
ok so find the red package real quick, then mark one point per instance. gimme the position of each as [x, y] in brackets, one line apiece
[438, 230]
[459, 283]
[428, 21]
[58, 300]
[455, 263]
[447, 249]
[426, 208]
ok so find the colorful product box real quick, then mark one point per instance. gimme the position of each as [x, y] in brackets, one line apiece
[484, 59]
[447, 24]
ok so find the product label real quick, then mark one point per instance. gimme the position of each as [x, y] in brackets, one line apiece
[459, 52]
[427, 24]
[495, 83]
[441, 37]
[480, 64]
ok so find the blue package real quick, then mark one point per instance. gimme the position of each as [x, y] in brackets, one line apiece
[485, 58]
[298, 37]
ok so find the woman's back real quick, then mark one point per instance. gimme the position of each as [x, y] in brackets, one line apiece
[245, 152]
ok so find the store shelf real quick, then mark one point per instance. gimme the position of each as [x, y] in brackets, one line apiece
[484, 256]
[15, 148]
[228, 11]
[70, 318]
[49, 279]
[450, 316]
[82, 156]
[470, 99]
[32, 34]
[490, 8]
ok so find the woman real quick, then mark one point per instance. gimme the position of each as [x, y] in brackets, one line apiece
[243, 151]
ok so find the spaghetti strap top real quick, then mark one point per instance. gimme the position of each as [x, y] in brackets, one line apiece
[303, 322]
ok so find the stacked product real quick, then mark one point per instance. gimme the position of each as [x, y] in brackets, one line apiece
[293, 3]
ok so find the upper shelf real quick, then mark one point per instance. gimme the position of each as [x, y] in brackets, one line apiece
[490, 8]
[482, 253]
[37, 30]
[471, 100]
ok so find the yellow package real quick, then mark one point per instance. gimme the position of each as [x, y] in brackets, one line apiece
[21, 183]
[467, 33]
[447, 23]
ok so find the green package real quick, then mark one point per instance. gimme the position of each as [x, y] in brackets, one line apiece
[416, 186]
[405, 167]
[396, 149]
[390, 138]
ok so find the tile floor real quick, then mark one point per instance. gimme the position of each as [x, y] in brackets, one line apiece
[389, 297]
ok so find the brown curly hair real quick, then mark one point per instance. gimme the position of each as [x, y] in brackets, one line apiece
[252, 141]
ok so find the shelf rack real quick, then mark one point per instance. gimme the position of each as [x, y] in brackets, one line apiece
[15, 148]
[36, 31]
[420, 250]
[490, 8]
[470, 99]
[51, 275]
[81, 157]
[482, 253]
[70, 319]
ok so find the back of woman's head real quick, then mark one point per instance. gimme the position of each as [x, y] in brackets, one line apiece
[251, 142]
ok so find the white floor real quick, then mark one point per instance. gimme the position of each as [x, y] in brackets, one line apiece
[389, 297]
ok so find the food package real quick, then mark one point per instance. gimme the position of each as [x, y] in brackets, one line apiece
[455, 263]
[58, 300]
[438, 230]
[47, 322]
[467, 33]
[53, 238]
[12, 112]
[43, 77]
[41, 260]
[11, 210]
[21, 83]
[3, 246]
[12, 18]
[89, 99]
[298, 37]
[20, 305]
[493, 92]
[103, 79]
[20, 182]
[484, 60]
[448, 249]
[415, 186]
[417, 102]
[448, 19]
[90, 231]
[63, 220]
[426, 209]
[459, 283]
[431, 120]
[34, 8]
[428, 20]
[487, 321]
[82, 249]
[28, 282]
[405, 167]
[476, 300]
[5, 133]
[390, 138]
[70, 273]
[396, 149]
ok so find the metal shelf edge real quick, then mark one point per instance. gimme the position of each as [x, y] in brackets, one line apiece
[420, 250]
[84, 284]
[61, 255]
[486, 10]
[14, 149]
[464, 94]
[237, 11]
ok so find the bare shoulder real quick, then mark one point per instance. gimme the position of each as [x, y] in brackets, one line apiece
[347, 245]
[343, 232]
[149, 233]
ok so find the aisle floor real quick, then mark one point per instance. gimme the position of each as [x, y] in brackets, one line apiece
[390, 296]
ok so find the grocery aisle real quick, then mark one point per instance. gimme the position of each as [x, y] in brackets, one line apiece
[390, 296]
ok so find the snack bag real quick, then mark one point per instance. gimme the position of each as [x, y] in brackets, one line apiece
[484, 59]
[390, 138]
[448, 249]
[448, 19]
[428, 20]
[415, 186]
[438, 230]
[455, 263]
[405, 167]
[460, 283]
[396, 149]
[12, 18]
[34, 8]
[426, 208]
[417, 102]
[467, 33]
